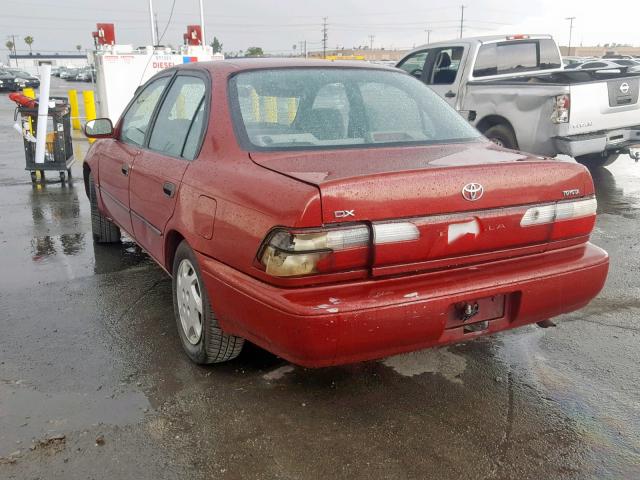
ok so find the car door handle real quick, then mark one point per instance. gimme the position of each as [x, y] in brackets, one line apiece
[450, 94]
[125, 169]
[169, 189]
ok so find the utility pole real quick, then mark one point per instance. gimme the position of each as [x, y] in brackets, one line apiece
[155, 16]
[204, 35]
[428, 36]
[461, 19]
[154, 38]
[571, 19]
[371, 38]
[325, 37]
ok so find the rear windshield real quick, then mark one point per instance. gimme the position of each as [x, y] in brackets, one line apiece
[307, 108]
[515, 57]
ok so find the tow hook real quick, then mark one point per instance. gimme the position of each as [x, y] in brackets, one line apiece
[469, 311]
[546, 324]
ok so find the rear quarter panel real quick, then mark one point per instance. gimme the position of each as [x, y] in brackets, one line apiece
[527, 107]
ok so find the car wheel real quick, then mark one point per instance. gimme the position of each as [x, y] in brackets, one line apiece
[502, 136]
[104, 231]
[200, 334]
[597, 160]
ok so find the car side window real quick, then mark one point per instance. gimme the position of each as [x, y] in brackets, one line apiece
[446, 66]
[414, 64]
[136, 121]
[595, 65]
[194, 137]
[176, 115]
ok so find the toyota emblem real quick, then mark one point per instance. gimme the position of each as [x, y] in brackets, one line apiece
[624, 88]
[472, 191]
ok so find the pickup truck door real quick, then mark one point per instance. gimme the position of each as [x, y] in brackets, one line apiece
[444, 70]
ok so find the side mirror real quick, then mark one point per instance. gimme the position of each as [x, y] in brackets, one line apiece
[99, 128]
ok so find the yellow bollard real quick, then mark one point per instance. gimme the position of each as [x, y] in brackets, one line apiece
[292, 109]
[31, 93]
[271, 109]
[255, 103]
[89, 107]
[75, 111]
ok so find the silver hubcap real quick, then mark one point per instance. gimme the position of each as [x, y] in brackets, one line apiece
[189, 301]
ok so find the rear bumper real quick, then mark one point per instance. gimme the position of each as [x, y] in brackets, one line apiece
[577, 145]
[344, 323]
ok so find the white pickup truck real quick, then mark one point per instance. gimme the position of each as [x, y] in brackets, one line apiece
[514, 90]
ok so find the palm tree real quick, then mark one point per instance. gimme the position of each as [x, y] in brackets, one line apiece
[12, 50]
[78, 47]
[29, 40]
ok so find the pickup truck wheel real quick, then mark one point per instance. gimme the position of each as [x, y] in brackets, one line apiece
[202, 338]
[596, 160]
[502, 136]
[104, 231]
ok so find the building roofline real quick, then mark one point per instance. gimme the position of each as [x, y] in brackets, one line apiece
[47, 55]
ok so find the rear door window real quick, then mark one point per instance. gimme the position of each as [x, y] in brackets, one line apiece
[515, 57]
[178, 112]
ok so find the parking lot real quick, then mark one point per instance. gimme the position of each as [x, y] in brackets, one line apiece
[94, 383]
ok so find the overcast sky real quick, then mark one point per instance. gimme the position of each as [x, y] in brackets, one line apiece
[60, 25]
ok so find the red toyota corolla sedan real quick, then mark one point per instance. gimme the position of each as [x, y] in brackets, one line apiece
[333, 213]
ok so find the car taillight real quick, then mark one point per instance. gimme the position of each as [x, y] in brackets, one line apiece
[288, 253]
[561, 109]
[570, 219]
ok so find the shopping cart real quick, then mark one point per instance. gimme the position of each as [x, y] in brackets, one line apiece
[58, 154]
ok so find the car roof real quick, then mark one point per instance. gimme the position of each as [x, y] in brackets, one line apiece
[481, 40]
[230, 66]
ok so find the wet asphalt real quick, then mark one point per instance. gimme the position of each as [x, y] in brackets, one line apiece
[93, 382]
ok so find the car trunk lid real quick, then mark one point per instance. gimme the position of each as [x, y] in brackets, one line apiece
[432, 188]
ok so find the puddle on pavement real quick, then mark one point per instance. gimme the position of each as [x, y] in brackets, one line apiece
[435, 360]
[618, 188]
[46, 235]
[27, 413]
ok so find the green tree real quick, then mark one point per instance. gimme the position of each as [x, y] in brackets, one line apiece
[78, 47]
[10, 45]
[254, 52]
[29, 41]
[216, 45]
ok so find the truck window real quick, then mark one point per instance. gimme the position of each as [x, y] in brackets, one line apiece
[414, 64]
[515, 57]
[446, 67]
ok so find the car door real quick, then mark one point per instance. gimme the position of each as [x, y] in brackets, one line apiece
[117, 159]
[172, 142]
[443, 72]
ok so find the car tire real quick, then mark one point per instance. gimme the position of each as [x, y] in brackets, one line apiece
[104, 230]
[597, 160]
[503, 136]
[200, 334]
